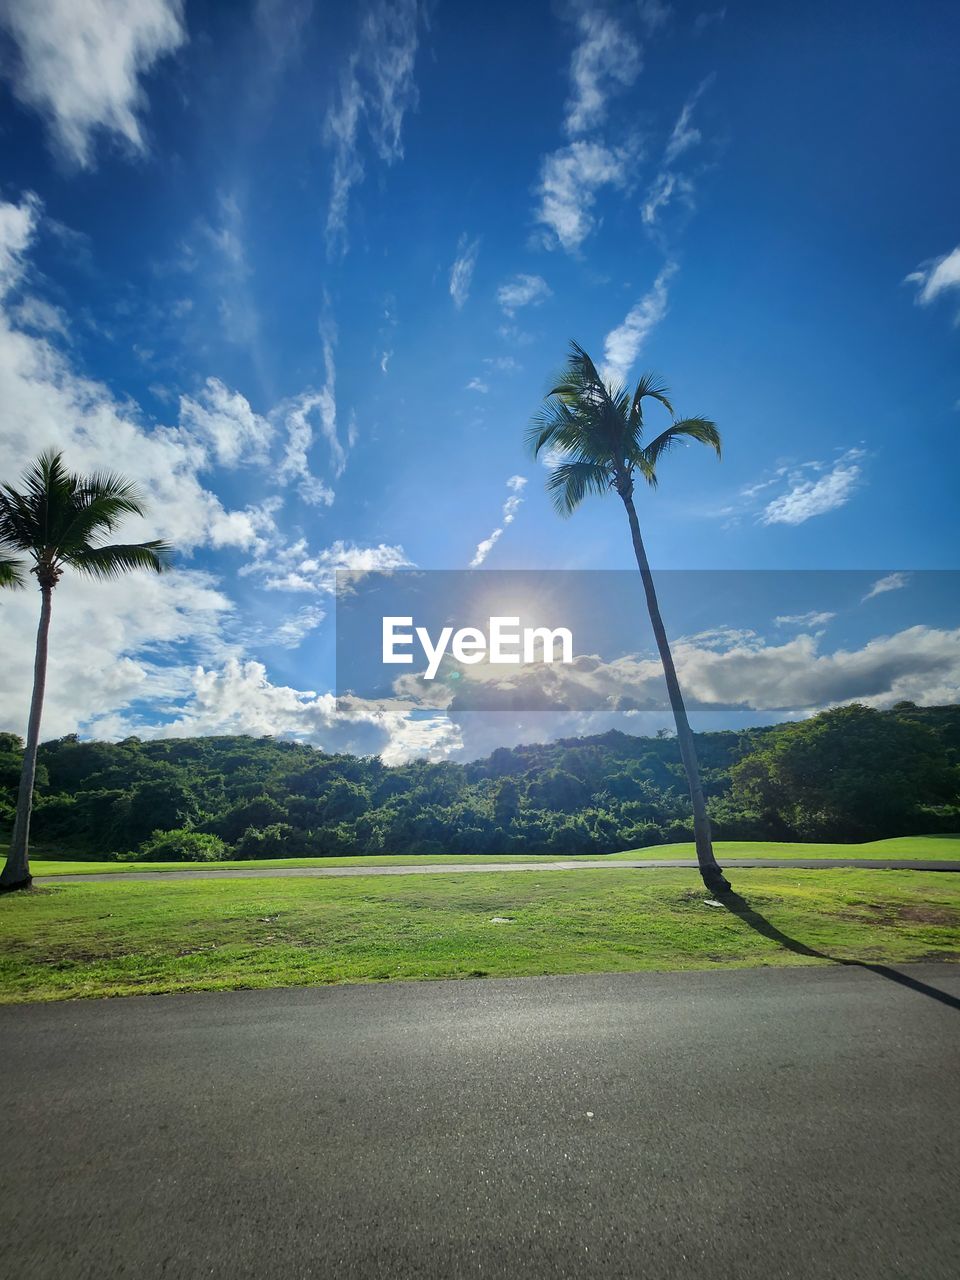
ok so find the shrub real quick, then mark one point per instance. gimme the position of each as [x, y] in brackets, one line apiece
[182, 846]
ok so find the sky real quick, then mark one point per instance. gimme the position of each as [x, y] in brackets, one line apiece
[303, 271]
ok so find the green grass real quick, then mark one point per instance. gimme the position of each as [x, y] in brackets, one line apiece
[942, 848]
[106, 939]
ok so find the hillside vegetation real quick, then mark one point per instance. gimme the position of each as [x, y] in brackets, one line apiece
[849, 774]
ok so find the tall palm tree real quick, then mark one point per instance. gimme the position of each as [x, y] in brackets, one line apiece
[58, 521]
[596, 431]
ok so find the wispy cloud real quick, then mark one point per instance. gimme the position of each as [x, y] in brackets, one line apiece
[294, 567]
[461, 273]
[79, 66]
[376, 91]
[806, 498]
[606, 60]
[811, 619]
[523, 291]
[507, 516]
[226, 422]
[569, 181]
[477, 384]
[892, 582]
[653, 15]
[709, 18]
[684, 135]
[936, 277]
[298, 416]
[669, 184]
[622, 345]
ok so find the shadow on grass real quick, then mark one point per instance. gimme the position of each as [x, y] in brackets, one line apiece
[741, 908]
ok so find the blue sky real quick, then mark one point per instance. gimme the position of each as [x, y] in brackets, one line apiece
[304, 270]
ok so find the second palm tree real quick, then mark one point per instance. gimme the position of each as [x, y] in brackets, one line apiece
[597, 434]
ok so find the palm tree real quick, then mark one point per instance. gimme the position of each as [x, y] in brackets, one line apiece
[596, 432]
[57, 522]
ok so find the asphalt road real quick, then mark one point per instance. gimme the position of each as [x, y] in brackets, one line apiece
[446, 868]
[746, 1125]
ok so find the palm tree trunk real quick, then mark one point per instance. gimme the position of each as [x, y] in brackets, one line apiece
[710, 869]
[16, 873]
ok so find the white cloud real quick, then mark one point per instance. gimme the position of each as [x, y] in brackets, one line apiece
[226, 422]
[79, 64]
[43, 316]
[569, 181]
[290, 633]
[808, 498]
[669, 184]
[475, 384]
[294, 567]
[461, 273]
[523, 291]
[622, 345]
[503, 364]
[510, 508]
[17, 226]
[684, 134]
[297, 416]
[606, 60]
[934, 278]
[811, 619]
[109, 645]
[376, 90]
[892, 582]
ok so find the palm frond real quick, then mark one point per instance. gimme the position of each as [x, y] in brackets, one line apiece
[115, 560]
[700, 429]
[570, 482]
[650, 387]
[11, 572]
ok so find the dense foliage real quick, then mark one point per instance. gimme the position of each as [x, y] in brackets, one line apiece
[847, 774]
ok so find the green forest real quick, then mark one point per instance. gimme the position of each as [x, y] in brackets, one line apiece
[847, 774]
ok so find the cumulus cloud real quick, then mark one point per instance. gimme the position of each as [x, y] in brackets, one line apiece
[80, 63]
[623, 344]
[515, 485]
[134, 646]
[892, 582]
[523, 291]
[461, 273]
[806, 498]
[936, 277]
[110, 643]
[605, 61]
[376, 90]
[569, 181]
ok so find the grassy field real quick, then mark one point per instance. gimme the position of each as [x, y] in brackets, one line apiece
[942, 848]
[106, 939]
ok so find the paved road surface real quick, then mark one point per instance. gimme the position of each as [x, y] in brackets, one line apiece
[743, 1125]
[446, 868]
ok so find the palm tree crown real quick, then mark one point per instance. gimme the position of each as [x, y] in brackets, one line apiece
[597, 432]
[59, 520]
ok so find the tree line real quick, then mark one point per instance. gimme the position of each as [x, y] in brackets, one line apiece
[847, 774]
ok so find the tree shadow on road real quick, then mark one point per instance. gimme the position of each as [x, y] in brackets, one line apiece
[741, 908]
